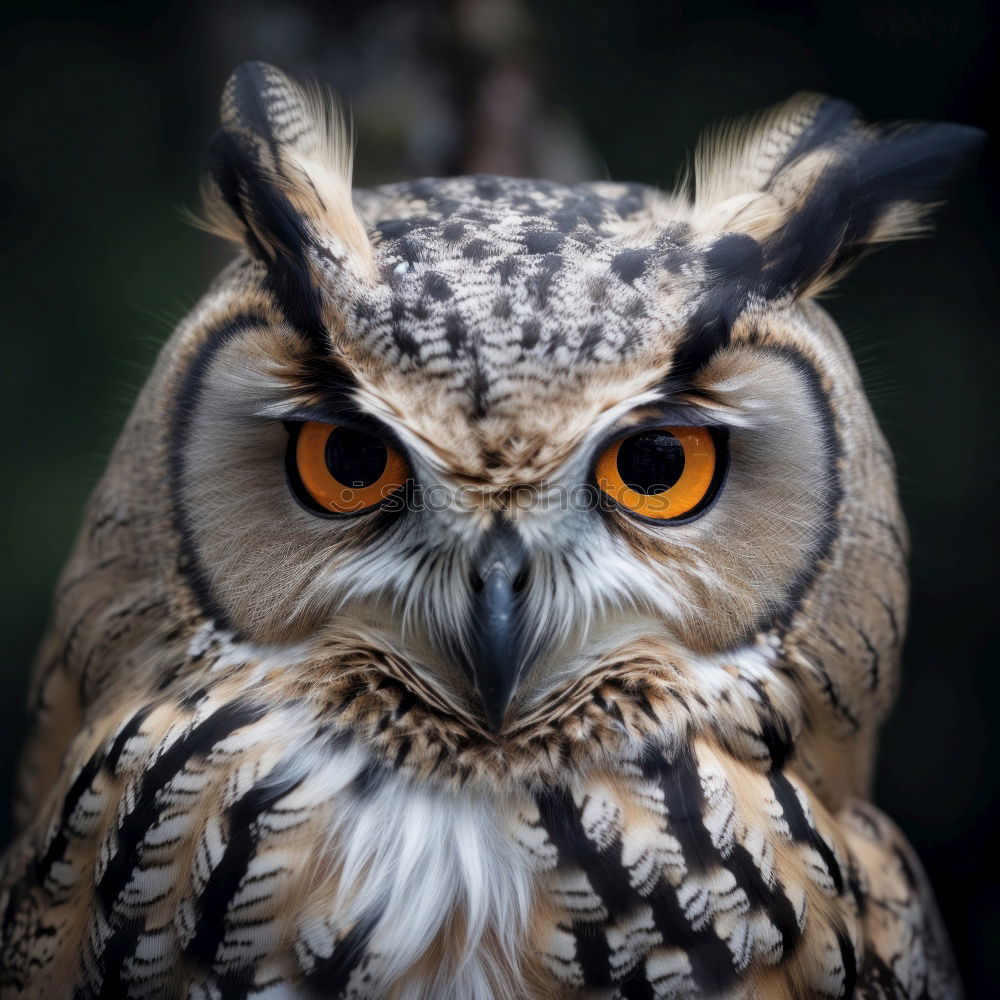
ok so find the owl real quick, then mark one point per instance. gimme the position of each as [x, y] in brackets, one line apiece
[494, 594]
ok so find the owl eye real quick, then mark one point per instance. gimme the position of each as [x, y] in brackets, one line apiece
[343, 470]
[665, 473]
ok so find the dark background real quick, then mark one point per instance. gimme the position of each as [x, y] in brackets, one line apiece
[107, 108]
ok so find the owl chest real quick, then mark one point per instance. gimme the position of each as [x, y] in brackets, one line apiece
[426, 893]
[663, 881]
[385, 887]
[269, 857]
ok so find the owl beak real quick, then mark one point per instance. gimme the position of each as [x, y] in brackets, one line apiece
[498, 576]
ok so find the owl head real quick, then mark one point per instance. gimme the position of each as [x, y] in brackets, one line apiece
[486, 464]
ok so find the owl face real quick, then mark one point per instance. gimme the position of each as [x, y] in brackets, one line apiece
[489, 444]
[507, 431]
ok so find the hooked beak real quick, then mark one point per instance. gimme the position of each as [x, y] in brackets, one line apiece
[499, 573]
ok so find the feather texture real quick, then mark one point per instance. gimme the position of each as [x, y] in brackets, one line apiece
[817, 187]
[260, 763]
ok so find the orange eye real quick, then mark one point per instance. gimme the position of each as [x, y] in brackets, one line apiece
[345, 471]
[662, 473]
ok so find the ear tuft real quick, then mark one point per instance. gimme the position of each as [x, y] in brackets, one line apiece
[740, 159]
[280, 171]
[816, 187]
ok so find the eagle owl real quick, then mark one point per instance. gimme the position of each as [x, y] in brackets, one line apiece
[494, 593]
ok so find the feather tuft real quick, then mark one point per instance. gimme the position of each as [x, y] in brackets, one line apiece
[281, 169]
[816, 187]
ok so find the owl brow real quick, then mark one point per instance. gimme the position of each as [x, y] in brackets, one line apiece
[686, 414]
[345, 416]
[732, 264]
[332, 394]
[657, 414]
[320, 389]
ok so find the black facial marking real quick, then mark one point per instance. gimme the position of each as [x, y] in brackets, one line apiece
[479, 389]
[405, 341]
[476, 250]
[540, 283]
[507, 269]
[830, 488]
[185, 403]
[394, 229]
[733, 266]
[245, 187]
[542, 241]
[437, 287]
[530, 332]
[409, 250]
[455, 333]
[734, 258]
[399, 323]
[707, 332]
[453, 231]
[502, 307]
[630, 264]
[672, 259]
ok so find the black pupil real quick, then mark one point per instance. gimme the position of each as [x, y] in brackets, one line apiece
[355, 459]
[650, 462]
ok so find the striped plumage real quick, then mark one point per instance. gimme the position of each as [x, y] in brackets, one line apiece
[265, 762]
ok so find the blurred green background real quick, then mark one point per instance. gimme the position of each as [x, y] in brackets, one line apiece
[107, 109]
